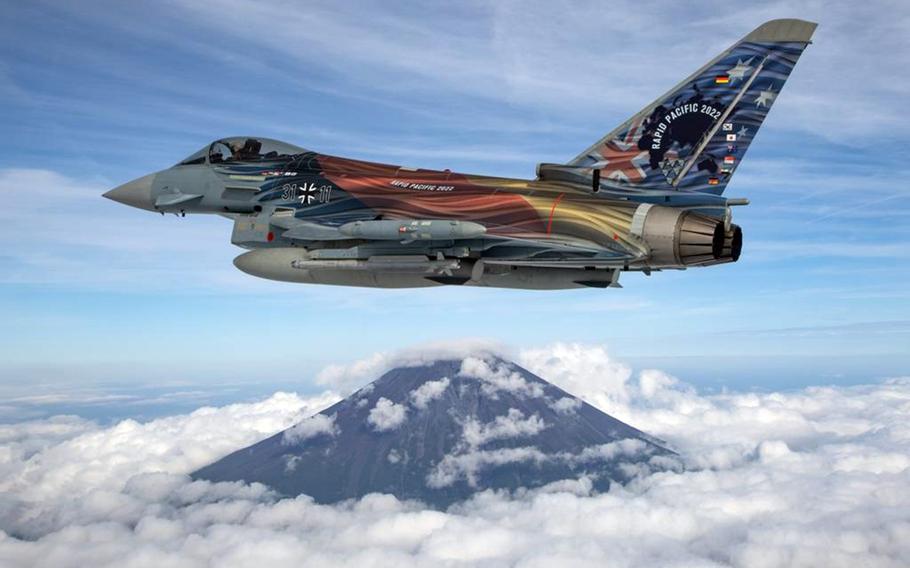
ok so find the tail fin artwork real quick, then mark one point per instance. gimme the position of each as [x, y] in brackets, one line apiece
[693, 137]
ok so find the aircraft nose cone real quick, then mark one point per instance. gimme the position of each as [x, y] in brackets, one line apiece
[136, 193]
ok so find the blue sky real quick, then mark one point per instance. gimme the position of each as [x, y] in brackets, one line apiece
[95, 94]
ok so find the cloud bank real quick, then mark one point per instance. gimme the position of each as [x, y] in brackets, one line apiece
[815, 477]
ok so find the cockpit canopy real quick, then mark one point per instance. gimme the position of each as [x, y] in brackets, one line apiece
[242, 149]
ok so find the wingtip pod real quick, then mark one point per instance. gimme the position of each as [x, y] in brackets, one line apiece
[783, 30]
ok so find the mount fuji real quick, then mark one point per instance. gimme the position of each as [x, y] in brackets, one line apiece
[440, 431]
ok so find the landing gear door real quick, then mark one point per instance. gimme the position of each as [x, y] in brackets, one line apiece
[251, 231]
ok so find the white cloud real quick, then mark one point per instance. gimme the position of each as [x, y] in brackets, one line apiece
[83, 459]
[468, 461]
[387, 415]
[512, 425]
[567, 60]
[498, 376]
[316, 425]
[584, 371]
[813, 477]
[566, 405]
[606, 452]
[428, 391]
[348, 377]
[468, 464]
[19, 442]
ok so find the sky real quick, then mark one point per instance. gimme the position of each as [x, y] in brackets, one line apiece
[101, 300]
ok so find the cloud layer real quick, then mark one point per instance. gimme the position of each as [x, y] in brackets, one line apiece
[805, 478]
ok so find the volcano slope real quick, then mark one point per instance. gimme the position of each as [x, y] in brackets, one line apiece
[442, 431]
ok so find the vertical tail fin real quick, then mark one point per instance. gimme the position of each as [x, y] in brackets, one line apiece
[694, 136]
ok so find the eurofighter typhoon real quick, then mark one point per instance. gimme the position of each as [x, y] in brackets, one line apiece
[648, 196]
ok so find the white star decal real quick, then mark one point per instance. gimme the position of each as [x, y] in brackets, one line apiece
[742, 132]
[740, 70]
[765, 97]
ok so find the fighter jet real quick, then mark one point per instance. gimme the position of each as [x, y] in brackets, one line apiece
[646, 197]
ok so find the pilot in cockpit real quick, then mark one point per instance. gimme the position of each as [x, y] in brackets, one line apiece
[248, 151]
[229, 150]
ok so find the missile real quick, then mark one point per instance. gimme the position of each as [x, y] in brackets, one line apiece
[408, 231]
[391, 263]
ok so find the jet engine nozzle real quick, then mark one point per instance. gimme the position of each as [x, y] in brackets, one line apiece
[733, 244]
[677, 237]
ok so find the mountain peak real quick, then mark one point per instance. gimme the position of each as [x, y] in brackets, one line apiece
[439, 431]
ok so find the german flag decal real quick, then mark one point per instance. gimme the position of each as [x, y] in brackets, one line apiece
[713, 181]
[721, 79]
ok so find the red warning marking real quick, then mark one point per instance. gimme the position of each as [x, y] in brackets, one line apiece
[270, 237]
[552, 210]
